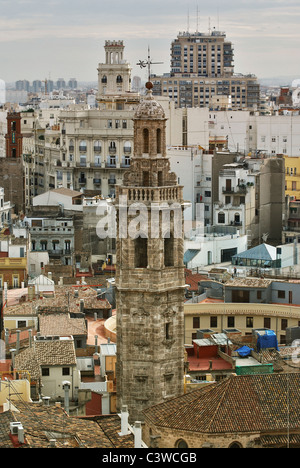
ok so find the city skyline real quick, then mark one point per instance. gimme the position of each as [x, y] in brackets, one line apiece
[66, 39]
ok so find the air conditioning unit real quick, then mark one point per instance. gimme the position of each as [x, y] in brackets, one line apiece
[16, 428]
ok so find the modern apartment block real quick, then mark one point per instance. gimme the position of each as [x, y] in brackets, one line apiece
[202, 70]
[251, 196]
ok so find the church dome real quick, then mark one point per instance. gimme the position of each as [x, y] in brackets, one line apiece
[149, 108]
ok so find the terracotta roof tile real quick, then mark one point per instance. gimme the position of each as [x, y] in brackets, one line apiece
[42, 423]
[62, 325]
[236, 404]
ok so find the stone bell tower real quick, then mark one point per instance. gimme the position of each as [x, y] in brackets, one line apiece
[150, 271]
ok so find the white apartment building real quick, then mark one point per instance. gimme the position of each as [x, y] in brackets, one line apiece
[5, 210]
[236, 206]
[247, 133]
[193, 168]
[252, 197]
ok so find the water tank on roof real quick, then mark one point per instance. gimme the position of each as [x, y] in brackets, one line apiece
[292, 334]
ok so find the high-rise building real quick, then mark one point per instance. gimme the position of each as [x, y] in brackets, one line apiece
[201, 70]
[60, 84]
[150, 271]
[22, 85]
[72, 83]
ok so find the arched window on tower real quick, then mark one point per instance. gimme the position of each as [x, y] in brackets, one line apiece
[104, 79]
[169, 251]
[141, 252]
[119, 79]
[158, 140]
[145, 140]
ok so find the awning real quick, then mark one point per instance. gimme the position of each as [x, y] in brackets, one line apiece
[189, 255]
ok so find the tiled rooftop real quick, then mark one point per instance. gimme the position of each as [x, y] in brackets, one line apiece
[250, 403]
[42, 423]
[61, 325]
[47, 353]
[63, 300]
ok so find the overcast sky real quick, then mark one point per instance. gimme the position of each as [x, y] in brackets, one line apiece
[65, 38]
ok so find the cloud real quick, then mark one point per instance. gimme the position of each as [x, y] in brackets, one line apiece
[258, 30]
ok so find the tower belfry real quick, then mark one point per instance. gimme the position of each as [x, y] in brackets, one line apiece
[150, 271]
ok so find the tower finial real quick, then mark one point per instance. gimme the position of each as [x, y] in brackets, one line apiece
[148, 63]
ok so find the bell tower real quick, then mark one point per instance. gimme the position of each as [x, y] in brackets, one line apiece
[150, 278]
[114, 76]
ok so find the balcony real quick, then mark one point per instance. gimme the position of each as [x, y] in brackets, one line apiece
[240, 189]
[97, 181]
[82, 181]
[112, 181]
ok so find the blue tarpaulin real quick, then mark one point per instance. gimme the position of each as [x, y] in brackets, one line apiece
[244, 351]
[267, 339]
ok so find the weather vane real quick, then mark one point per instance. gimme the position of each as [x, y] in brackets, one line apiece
[144, 64]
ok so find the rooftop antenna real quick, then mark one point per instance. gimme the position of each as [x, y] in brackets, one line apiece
[144, 64]
[197, 19]
[188, 21]
[209, 28]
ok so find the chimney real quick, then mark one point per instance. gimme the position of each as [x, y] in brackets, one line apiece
[124, 421]
[96, 343]
[66, 387]
[52, 443]
[18, 341]
[6, 338]
[82, 305]
[30, 338]
[137, 434]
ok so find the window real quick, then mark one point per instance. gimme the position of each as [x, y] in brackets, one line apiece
[181, 444]
[158, 140]
[141, 252]
[230, 322]
[145, 140]
[82, 146]
[267, 322]
[65, 371]
[168, 331]
[281, 294]
[22, 324]
[221, 218]
[196, 322]
[259, 294]
[284, 324]
[169, 251]
[15, 281]
[249, 322]
[45, 371]
[213, 322]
